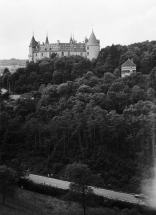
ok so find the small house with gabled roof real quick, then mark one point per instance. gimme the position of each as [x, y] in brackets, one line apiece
[128, 68]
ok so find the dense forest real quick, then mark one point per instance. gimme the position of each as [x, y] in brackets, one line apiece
[77, 110]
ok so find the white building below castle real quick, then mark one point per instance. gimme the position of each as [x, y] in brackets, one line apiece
[90, 48]
[128, 68]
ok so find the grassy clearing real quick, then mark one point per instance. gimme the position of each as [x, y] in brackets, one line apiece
[31, 203]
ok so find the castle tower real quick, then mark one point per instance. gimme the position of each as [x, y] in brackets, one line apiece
[32, 48]
[71, 40]
[47, 41]
[92, 47]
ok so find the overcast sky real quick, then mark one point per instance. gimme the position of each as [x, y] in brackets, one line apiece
[114, 22]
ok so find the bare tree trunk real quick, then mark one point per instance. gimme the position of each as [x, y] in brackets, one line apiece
[80, 140]
[117, 142]
[94, 131]
[64, 145]
[50, 136]
[35, 141]
[40, 141]
[84, 202]
[4, 193]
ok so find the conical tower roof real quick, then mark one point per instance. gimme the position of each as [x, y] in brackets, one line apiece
[92, 40]
[47, 41]
[71, 40]
[33, 42]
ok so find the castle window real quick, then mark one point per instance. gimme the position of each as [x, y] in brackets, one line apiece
[87, 47]
[36, 54]
[42, 54]
[87, 53]
[62, 54]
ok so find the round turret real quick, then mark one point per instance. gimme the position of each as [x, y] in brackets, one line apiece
[92, 47]
[32, 48]
[47, 41]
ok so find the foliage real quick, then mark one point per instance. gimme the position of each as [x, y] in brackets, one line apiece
[56, 70]
[75, 110]
[41, 188]
[119, 207]
[81, 177]
[7, 181]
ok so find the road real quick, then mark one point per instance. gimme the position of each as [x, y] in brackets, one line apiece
[102, 192]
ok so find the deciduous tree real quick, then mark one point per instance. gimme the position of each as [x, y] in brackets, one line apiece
[81, 177]
[7, 181]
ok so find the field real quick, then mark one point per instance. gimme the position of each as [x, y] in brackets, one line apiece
[30, 203]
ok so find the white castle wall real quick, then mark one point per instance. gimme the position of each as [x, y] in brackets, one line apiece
[84, 54]
[34, 56]
[126, 71]
[39, 55]
[93, 52]
[31, 53]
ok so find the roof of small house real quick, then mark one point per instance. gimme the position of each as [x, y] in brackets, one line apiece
[128, 63]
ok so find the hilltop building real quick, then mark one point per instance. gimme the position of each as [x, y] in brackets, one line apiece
[128, 68]
[90, 48]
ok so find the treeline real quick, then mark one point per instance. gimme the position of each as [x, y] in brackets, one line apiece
[59, 70]
[112, 57]
[76, 114]
[12, 61]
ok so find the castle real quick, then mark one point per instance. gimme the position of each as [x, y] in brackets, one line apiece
[90, 48]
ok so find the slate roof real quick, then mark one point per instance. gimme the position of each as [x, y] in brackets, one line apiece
[33, 42]
[128, 63]
[92, 40]
[47, 41]
[75, 47]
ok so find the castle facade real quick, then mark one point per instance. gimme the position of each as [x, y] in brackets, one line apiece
[90, 48]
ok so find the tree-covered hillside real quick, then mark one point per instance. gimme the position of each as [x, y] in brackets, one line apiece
[82, 111]
[57, 71]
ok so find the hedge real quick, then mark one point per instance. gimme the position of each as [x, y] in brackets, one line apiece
[41, 188]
